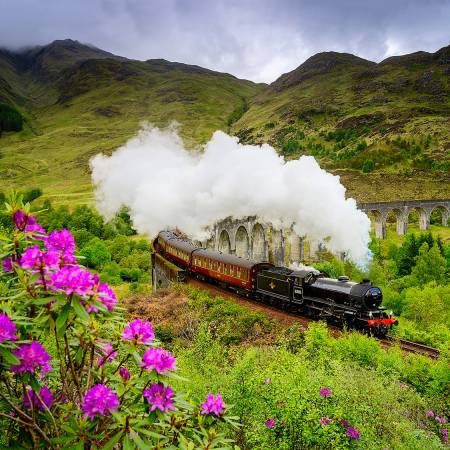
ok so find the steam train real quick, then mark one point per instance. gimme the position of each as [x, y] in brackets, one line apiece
[308, 292]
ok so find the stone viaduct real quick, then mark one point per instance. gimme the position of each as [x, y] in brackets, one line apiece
[401, 209]
[253, 239]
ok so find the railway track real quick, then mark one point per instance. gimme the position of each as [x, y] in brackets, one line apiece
[412, 347]
[289, 318]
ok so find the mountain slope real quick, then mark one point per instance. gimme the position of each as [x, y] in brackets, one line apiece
[390, 119]
[384, 128]
[83, 105]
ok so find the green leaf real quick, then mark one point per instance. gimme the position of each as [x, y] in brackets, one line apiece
[62, 317]
[153, 434]
[80, 311]
[41, 301]
[127, 445]
[113, 441]
[8, 356]
[141, 445]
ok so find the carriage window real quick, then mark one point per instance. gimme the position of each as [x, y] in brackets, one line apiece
[232, 270]
[239, 272]
[225, 269]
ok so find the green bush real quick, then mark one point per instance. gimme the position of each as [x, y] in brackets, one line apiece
[31, 194]
[368, 166]
[96, 254]
[10, 119]
[111, 273]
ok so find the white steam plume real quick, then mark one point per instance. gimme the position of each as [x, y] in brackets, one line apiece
[165, 185]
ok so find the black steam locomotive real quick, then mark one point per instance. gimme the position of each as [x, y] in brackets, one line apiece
[308, 292]
[313, 293]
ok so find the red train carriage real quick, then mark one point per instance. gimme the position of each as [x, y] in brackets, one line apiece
[227, 269]
[175, 248]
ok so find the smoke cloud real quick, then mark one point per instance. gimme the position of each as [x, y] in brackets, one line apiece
[165, 186]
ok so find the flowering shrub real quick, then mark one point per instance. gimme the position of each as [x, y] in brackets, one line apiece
[73, 374]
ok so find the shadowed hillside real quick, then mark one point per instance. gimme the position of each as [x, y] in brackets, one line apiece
[383, 127]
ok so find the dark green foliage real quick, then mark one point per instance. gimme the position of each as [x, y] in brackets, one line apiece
[111, 274]
[31, 194]
[290, 147]
[96, 254]
[134, 274]
[10, 119]
[238, 112]
[429, 265]
[409, 250]
[368, 166]
[269, 125]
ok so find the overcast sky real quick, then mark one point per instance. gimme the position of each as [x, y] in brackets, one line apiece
[253, 39]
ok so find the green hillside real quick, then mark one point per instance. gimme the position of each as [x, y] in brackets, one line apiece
[78, 101]
[383, 127]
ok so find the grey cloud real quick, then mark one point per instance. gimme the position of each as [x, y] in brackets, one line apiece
[258, 40]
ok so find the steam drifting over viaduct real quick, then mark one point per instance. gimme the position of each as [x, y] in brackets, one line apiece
[253, 239]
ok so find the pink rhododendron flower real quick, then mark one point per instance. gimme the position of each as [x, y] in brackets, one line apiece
[33, 259]
[160, 397]
[325, 421]
[430, 413]
[325, 392]
[106, 296]
[7, 329]
[344, 423]
[159, 360]
[73, 279]
[7, 265]
[124, 373]
[440, 419]
[21, 220]
[138, 331]
[106, 353]
[33, 357]
[63, 243]
[30, 398]
[353, 433]
[36, 230]
[270, 423]
[213, 405]
[444, 433]
[99, 400]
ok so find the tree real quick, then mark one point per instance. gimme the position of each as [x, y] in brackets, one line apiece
[368, 166]
[428, 305]
[406, 255]
[430, 265]
[96, 254]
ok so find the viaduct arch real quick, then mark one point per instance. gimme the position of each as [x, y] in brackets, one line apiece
[401, 210]
[251, 238]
